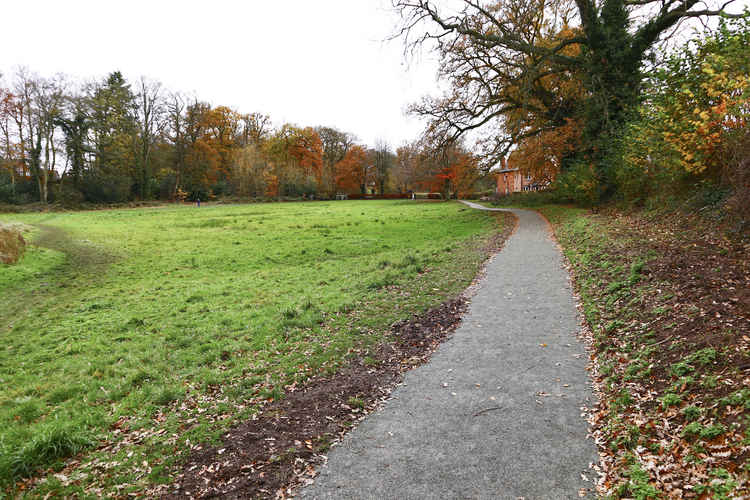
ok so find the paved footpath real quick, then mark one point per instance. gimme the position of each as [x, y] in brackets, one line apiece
[496, 413]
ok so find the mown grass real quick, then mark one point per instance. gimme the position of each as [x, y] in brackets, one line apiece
[156, 328]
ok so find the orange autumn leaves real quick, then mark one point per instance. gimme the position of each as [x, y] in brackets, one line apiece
[697, 109]
[354, 172]
[458, 176]
[549, 129]
[292, 156]
[695, 129]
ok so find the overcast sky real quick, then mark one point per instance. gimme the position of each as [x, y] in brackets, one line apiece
[308, 62]
[321, 62]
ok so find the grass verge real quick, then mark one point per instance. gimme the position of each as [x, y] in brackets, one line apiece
[666, 298]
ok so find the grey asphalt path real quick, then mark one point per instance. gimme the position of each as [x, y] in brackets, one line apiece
[496, 413]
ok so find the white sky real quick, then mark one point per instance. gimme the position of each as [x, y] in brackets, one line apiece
[321, 62]
[308, 62]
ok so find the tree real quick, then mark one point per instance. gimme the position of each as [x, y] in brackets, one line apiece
[383, 160]
[459, 175]
[175, 125]
[307, 153]
[256, 127]
[250, 174]
[75, 124]
[335, 145]
[296, 156]
[543, 156]
[404, 173]
[40, 103]
[113, 123]
[9, 156]
[497, 55]
[149, 115]
[210, 134]
[354, 171]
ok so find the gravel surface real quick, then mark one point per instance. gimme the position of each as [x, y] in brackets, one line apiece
[497, 411]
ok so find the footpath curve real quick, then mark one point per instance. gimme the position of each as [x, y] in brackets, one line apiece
[496, 413]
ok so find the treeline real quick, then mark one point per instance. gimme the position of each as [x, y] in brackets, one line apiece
[113, 141]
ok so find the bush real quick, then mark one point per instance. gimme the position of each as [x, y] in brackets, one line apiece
[579, 183]
[68, 196]
[104, 187]
[391, 196]
[12, 244]
[691, 131]
[24, 191]
[478, 195]
[298, 186]
[528, 199]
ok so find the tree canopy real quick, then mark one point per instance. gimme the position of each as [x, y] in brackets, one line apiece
[525, 74]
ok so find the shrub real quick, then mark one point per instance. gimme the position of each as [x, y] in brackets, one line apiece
[23, 190]
[168, 186]
[691, 135]
[390, 196]
[579, 183]
[103, 187]
[12, 244]
[68, 196]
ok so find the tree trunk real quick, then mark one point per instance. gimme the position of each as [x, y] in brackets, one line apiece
[43, 173]
[35, 160]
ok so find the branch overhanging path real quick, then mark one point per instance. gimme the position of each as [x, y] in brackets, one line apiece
[496, 413]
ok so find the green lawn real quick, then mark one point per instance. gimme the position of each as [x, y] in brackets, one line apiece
[141, 329]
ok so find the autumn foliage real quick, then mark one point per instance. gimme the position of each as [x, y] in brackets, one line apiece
[694, 120]
[352, 172]
[424, 166]
[112, 141]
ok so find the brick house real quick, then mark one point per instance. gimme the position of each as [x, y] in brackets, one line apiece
[511, 180]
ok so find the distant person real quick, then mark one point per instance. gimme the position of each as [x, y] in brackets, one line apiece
[199, 202]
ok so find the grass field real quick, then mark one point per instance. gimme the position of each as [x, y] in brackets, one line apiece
[130, 335]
